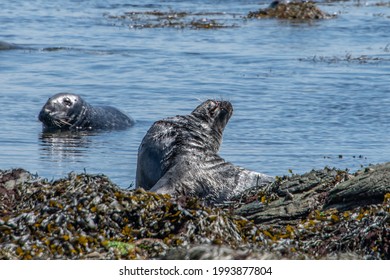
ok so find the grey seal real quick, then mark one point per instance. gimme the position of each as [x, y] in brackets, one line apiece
[179, 156]
[68, 111]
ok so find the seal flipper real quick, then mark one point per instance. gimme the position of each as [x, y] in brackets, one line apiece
[173, 182]
[246, 179]
[191, 178]
[178, 179]
[148, 167]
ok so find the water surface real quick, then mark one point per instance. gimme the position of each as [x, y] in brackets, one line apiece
[305, 95]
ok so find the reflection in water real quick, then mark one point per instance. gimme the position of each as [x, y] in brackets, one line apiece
[64, 145]
[100, 152]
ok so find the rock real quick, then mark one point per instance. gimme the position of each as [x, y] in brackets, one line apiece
[290, 199]
[9, 179]
[290, 11]
[316, 190]
[323, 214]
[7, 46]
[369, 186]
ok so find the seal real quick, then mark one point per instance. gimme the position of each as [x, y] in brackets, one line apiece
[179, 156]
[67, 111]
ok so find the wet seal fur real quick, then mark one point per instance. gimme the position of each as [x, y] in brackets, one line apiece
[67, 111]
[179, 156]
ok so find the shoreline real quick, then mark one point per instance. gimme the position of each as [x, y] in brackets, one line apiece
[322, 214]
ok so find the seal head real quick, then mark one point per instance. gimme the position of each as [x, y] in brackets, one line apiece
[63, 111]
[67, 111]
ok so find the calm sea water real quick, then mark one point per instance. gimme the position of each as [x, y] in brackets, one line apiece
[305, 95]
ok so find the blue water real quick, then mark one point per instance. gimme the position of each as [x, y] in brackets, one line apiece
[305, 95]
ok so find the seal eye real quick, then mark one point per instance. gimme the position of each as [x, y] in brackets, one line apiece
[67, 101]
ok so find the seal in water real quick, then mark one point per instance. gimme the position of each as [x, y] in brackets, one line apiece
[67, 111]
[178, 156]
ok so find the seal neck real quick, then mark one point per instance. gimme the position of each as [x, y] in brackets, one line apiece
[83, 116]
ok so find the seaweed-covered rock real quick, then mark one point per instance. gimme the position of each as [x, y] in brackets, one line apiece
[369, 186]
[86, 216]
[325, 211]
[289, 199]
[290, 11]
[8, 181]
[323, 214]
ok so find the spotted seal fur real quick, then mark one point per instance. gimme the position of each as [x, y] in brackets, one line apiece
[179, 155]
[67, 111]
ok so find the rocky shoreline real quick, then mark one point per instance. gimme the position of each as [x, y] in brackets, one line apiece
[323, 214]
